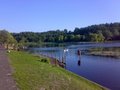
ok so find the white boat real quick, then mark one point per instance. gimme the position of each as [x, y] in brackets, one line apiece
[65, 50]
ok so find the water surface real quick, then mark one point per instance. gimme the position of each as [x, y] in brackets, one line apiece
[102, 70]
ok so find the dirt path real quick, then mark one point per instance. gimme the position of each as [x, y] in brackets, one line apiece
[6, 80]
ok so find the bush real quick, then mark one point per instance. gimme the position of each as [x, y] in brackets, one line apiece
[45, 60]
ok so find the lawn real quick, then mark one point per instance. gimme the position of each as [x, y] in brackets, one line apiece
[32, 74]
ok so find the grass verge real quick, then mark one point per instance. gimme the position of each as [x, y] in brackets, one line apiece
[32, 74]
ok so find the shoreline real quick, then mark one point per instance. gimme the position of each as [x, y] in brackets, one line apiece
[59, 64]
[44, 73]
[110, 54]
[53, 60]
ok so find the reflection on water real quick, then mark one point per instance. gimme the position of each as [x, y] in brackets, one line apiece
[79, 62]
[103, 70]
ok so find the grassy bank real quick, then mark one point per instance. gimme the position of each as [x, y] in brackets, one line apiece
[32, 74]
[105, 52]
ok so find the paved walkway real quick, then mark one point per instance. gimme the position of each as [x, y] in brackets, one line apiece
[6, 80]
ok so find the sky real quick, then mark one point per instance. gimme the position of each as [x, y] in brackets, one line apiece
[45, 15]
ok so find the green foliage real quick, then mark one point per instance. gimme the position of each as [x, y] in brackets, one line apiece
[96, 33]
[7, 39]
[45, 60]
[60, 38]
[100, 37]
[96, 37]
[77, 38]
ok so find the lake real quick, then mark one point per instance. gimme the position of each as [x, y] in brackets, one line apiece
[102, 70]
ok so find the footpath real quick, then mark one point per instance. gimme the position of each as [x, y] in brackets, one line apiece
[6, 80]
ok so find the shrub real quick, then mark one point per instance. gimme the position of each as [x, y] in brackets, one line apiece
[45, 60]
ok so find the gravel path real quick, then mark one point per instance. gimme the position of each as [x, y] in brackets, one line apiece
[6, 80]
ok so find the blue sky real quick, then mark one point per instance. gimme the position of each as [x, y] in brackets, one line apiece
[44, 15]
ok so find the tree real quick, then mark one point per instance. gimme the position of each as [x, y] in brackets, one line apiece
[7, 39]
[100, 33]
[65, 31]
[100, 37]
[77, 38]
[96, 37]
[61, 38]
[4, 36]
[70, 37]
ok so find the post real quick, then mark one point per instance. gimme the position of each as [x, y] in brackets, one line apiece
[79, 56]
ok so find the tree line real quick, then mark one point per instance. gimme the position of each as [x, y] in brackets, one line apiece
[93, 33]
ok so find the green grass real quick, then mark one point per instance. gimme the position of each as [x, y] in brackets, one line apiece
[32, 74]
